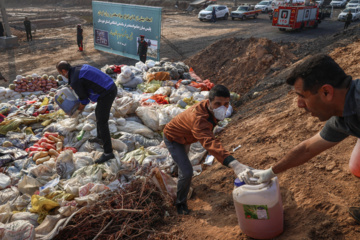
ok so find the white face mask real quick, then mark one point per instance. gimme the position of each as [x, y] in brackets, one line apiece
[220, 113]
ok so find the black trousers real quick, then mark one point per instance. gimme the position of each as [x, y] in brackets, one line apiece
[102, 113]
[28, 34]
[80, 42]
[347, 23]
[179, 153]
[143, 58]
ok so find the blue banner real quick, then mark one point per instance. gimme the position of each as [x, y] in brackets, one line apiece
[117, 28]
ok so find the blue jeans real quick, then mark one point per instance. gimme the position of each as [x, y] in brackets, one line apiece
[179, 153]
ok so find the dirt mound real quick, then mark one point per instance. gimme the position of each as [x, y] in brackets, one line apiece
[348, 58]
[240, 63]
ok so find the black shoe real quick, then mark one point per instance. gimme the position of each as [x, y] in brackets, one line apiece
[185, 209]
[355, 213]
[96, 140]
[182, 209]
[104, 158]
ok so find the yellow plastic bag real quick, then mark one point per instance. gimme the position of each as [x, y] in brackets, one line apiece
[42, 206]
[45, 102]
[60, 195]
[149, 87]
[39, 204]
[190, 101]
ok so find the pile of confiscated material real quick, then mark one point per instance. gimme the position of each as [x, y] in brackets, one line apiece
[48, 179]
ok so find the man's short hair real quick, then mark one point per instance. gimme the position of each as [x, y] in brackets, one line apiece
[318, 70]
[63, 65]
[219, 91]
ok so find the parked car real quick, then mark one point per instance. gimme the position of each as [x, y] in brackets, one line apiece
[354, 11]
[245, 11]
[338, 3]
[319, 2]
[264, 6]
[353, 4]
[221, 11]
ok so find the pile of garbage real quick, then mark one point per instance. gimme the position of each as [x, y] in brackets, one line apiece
[47, 170]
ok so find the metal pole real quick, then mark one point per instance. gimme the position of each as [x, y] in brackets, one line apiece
[5, 19]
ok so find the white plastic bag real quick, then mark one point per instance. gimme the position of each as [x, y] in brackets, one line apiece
[132, 83]
[28, 185]
[5, 213]
[118, 145]
[166, 91]
[26, 216]
[149, 116]
[135, 127]
[124, 105]
[17, 230]
[4, 181]
[65, 166]
[121, 121]
[82, 159]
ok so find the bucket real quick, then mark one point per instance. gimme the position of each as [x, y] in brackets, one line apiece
[67, 100]
[259, 209]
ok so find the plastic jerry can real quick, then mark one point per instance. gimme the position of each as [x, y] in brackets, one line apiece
[67, 100]
[259, 209]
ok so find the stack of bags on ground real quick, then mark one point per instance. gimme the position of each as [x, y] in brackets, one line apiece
[47, 170]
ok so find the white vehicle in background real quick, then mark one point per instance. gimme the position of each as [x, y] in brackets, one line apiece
[319, 2]
[264, 6]
[354, 11]
[221, 11]
[338, 3]
[353, 4]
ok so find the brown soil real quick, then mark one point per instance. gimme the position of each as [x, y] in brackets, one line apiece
[316, 195]
[241, 63]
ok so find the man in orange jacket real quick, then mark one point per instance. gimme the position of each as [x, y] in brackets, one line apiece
[193, 125]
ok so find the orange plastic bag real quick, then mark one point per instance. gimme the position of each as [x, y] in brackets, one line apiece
[160, 76]
[195, 76]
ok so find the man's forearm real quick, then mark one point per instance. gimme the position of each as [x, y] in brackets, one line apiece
[302, 153]
[297, 156]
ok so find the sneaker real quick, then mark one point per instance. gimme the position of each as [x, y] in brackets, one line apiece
[355, 213]
[105, 157]
[96, 140]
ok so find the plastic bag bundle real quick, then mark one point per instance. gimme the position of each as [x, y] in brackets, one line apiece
[17, 230]
[142, 66]
[138, 128]
[8, 195]
[65, 165]
[149, 116]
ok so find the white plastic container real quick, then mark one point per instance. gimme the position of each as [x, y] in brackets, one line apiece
[259, 209]
[67, 100]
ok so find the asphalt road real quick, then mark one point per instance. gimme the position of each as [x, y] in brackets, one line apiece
[185, 34]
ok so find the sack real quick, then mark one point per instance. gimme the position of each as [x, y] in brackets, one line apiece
[65, 166]
[138, 128]
[149, 116]
[164, 182]
[5, 181]
[17, 230]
